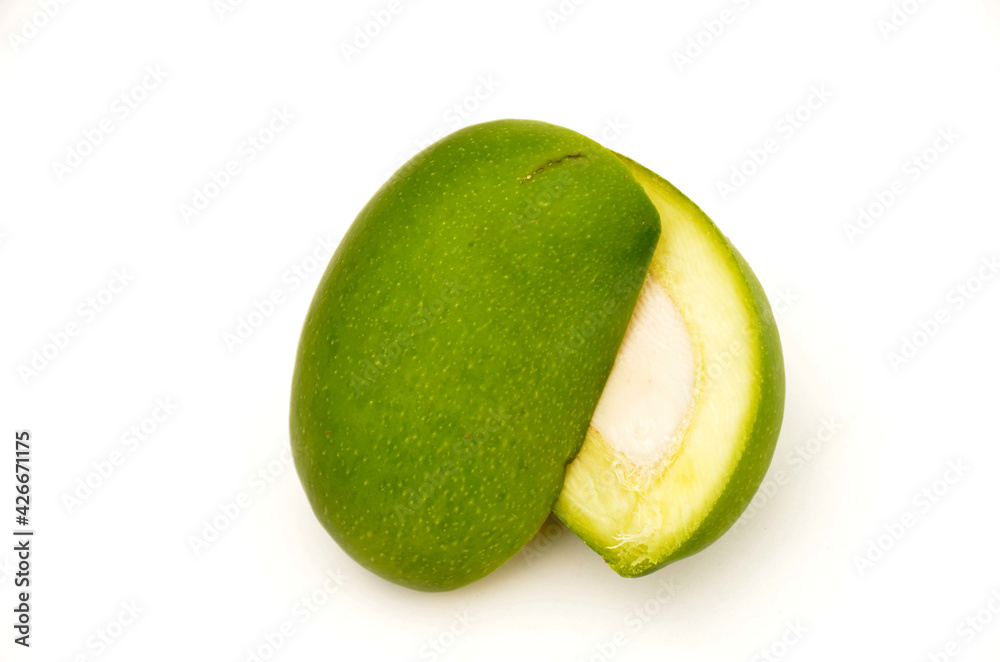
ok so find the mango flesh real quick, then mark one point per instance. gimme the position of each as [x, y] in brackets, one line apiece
[458, 343]
[643, 502]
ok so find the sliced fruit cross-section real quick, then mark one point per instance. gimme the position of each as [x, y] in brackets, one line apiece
[687, 423]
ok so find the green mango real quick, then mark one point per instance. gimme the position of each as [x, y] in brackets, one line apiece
[458, 343]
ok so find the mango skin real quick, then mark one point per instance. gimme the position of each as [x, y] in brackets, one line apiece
[457, 346]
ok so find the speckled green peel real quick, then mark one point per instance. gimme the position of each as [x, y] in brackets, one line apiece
[458, 343]
[640, 518]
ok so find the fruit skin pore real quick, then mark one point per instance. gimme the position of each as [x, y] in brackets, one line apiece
[458, 343]
[639, 556]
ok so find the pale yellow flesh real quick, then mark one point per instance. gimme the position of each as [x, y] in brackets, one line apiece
[636, 501]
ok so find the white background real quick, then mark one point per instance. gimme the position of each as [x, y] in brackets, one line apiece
[809, 575]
